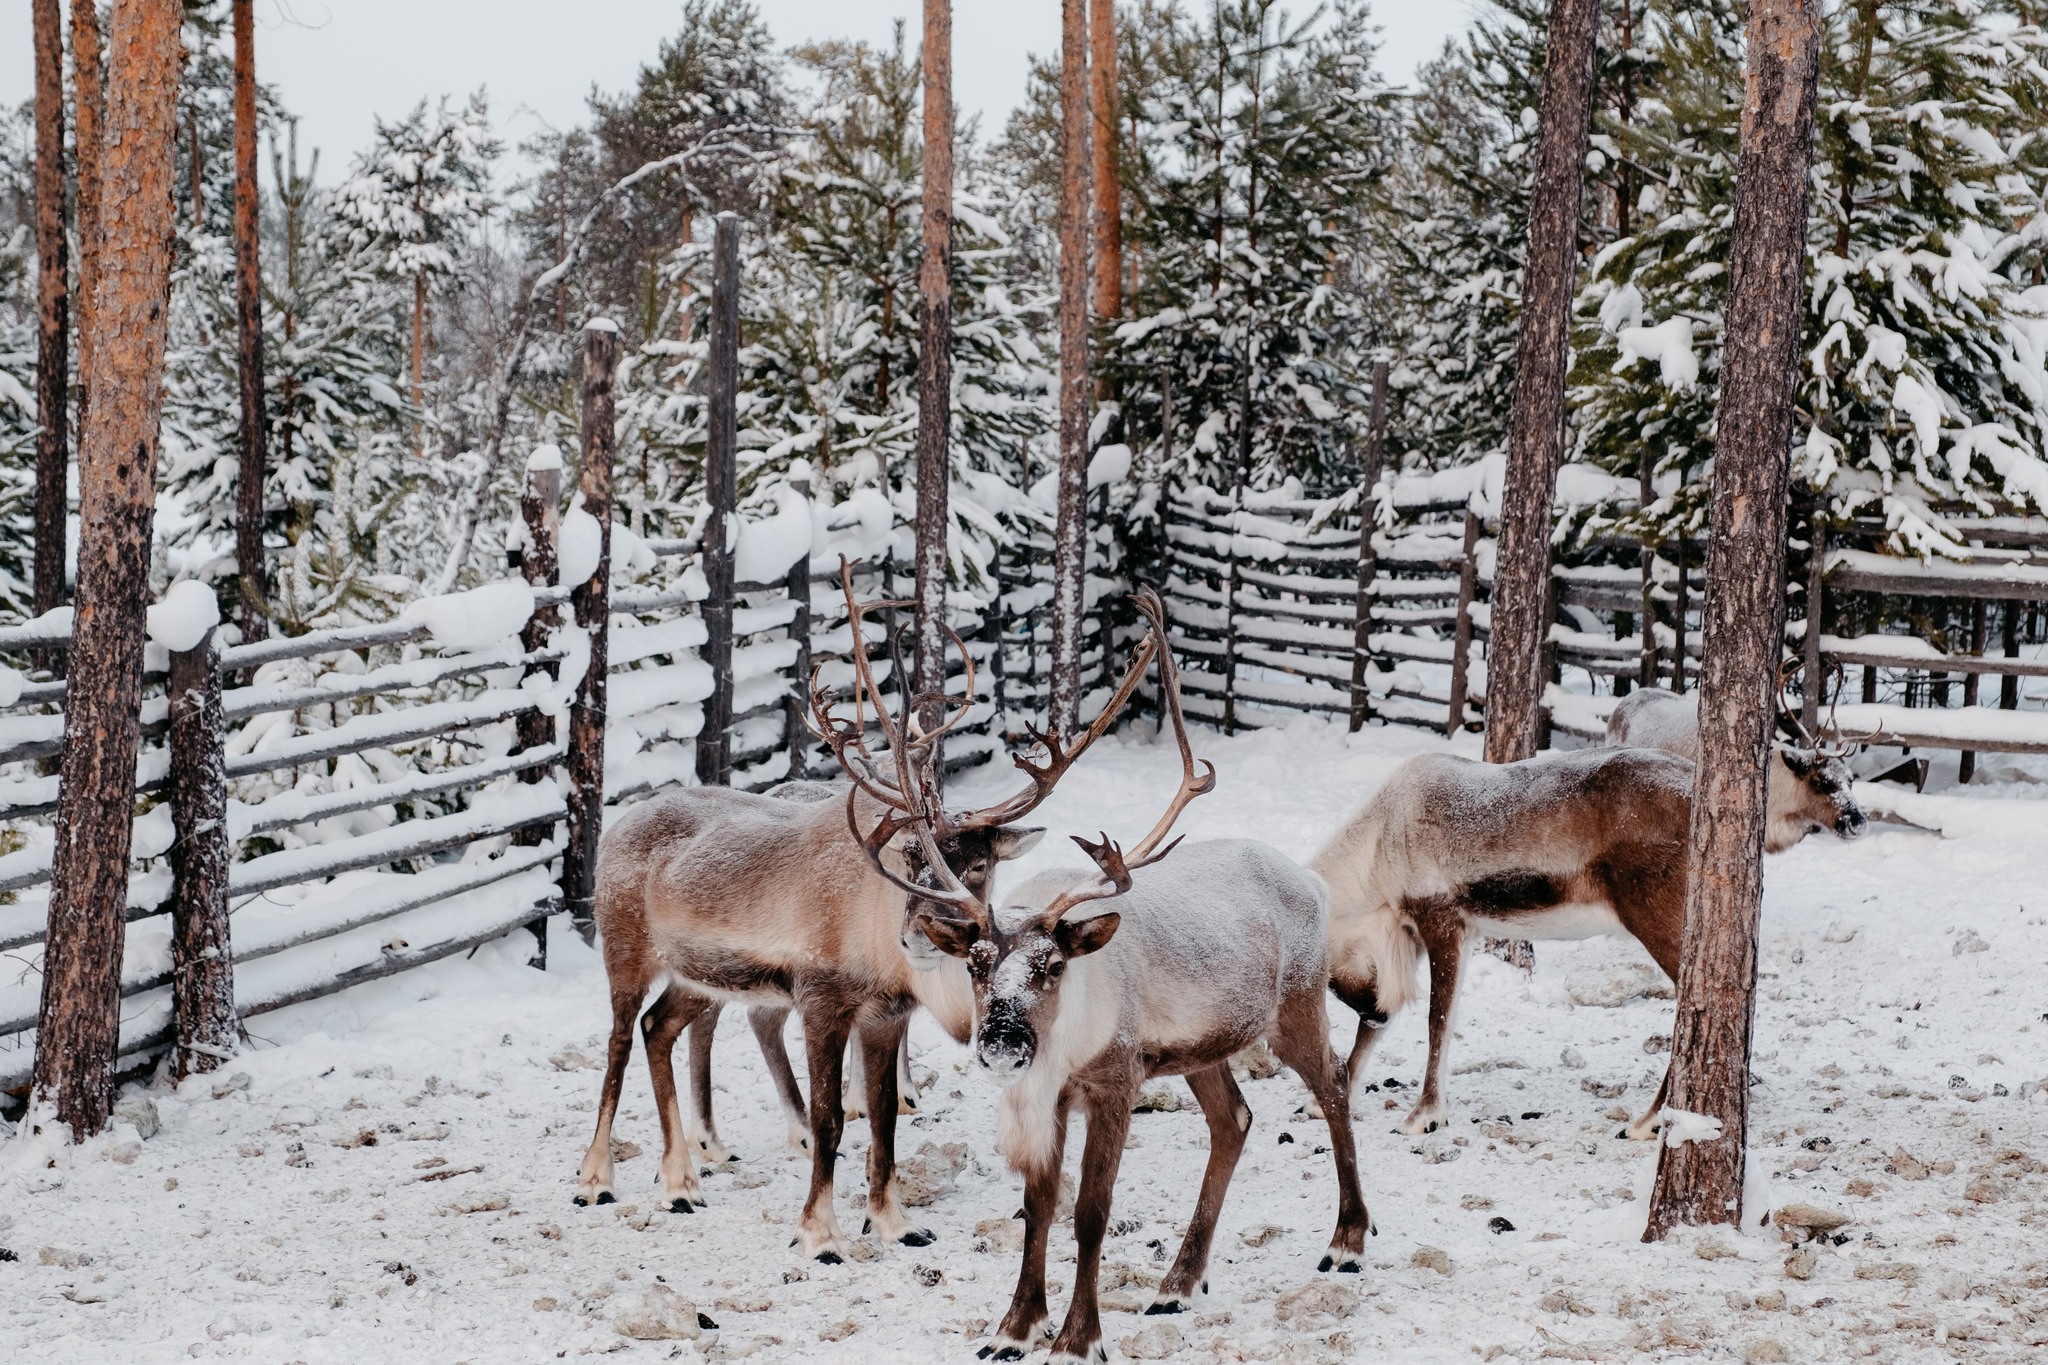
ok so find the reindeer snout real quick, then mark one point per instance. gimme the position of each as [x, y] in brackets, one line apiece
[1852, 823]
[1005, 1048]
[1004, 1066]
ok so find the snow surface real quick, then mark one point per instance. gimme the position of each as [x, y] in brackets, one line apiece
[1899, 1059]
[475, 619]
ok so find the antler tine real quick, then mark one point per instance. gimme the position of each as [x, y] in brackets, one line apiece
[1837, 746]
[1116, 879]
[1058, 757]
[949, 890]
[848, 742]
[864, 678]
[1788, 718]
[1191, 786]
[943, 698]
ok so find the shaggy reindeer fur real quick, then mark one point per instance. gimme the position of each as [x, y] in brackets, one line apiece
[1563, 846]
[1809, 790]
[720, 895]
[1216, 947]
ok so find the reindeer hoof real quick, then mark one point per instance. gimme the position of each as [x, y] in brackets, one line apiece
[1004, 1350]
[680, 1206]
[605, 1197]
[918, 1237]
[829, 1258]
[1343, 1263]
[580, 1202]
[1165, 1306]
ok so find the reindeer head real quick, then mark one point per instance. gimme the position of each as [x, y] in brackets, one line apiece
[1017, 959]
[1811, 787]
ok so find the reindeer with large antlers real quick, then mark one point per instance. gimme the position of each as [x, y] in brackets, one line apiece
[749, 899]
[1169, 973]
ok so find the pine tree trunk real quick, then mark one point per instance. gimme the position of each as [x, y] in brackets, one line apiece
[202, 949]
[934, 361]
[1109, 210]
[89, 112]
[255, 586]
[1701, 1182]
[419, 356]
[721, 464]
[79, 1023]
[1369, 469]
[53, 312]
[1070, 544]
[590, 601]
[540, 563]
[1514, 665]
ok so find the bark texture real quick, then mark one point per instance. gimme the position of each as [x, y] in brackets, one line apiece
[79, 1022]
[89, 111]
[255, 585]
[1514, 666]
[53, 310]
[590, 600]
[540, 508]
[202, 953]
[1109, 208]
[934, 360]
[1370, 464]
[1701, 1182]
[1070, 541]
[721, 454]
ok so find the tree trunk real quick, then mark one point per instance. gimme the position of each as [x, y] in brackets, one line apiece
[540, 508]
[934, 362]
[1109, 209]
[1514, 663]
[1369, 469]
[79, 1023]
[1701, 1181]
[1070, 544]
[591, 602]
[202, 952]
[89, 111]
[53, 313]
[419, 356]
[255, 586]
[721, 455]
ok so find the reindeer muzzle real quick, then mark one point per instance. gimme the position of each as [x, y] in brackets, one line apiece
[1852, 823]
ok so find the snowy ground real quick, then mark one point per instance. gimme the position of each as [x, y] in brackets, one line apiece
[395, 1173]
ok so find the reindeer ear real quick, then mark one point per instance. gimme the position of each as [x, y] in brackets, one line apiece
[1800, 761]
[1014, 841]
[1078, 938]
[953, 937]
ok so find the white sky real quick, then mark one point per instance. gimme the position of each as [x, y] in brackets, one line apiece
[339, 63]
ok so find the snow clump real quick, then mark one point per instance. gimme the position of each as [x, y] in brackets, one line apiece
[181, 619]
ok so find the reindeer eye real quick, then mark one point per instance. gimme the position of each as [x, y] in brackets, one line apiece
[1056, 968]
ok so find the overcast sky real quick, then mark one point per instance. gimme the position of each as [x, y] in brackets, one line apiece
[339, 63]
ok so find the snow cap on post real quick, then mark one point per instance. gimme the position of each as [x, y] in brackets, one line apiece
[547, 455]
[601, 325]
[180, 620]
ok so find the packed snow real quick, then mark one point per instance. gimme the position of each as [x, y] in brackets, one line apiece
[389, 1170]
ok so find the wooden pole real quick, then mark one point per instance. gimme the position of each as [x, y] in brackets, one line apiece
[796, 735]
[1461, 630]
[1646, 493]
[540, 508]
[1816, 585]
[1700, 1181]
[590, 601]
[1972, 682]
[53, 318]
[249, 562]
[1231, 582]
[1070, 542]
[79, 1021]
[934, 368]
[202, 955]
[1681, 657]
[721, 452]
[1521, 584]
[1369, 469]
[1109, 210]
[2009, 685]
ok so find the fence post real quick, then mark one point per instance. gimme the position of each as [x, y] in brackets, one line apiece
[590, 602]
[1679, 659]
[721, 441]
[1552, 673]
[1816, 585]
[1646, 493]
[795, 734]
[1368, 558]
[1972, 682]
[540, 506]
[2009, 685]
[1461, 629]
[202, 960]
[1230, 582]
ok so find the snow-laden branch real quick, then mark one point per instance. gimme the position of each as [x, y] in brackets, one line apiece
[723, 144]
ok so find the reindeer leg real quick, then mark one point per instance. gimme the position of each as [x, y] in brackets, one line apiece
[702, 1132]
[906, 1084]
[1361, 1052]
[879, 1042]
[1446, 947]
[826, 1026]
[1644, 1128]
[856, 1086]
[1302, 1042]
[594, 1182]
[673, 1012]
[1109, 1121]
[1229, 1120]
[767, 1022]
[1027, 1315]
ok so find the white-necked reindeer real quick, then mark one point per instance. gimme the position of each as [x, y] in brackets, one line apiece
[1562, 846]
[1212, 949]
[721, 895]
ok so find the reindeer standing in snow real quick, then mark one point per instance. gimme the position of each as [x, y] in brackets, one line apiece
[1214, 948]
[1562, 846]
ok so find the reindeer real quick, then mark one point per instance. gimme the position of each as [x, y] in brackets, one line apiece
[1811, 788]
[1218, 946]
[1561, 846]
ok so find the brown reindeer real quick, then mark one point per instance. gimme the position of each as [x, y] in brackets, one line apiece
[1562, 846]
[722, 895]
[1216, 947]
